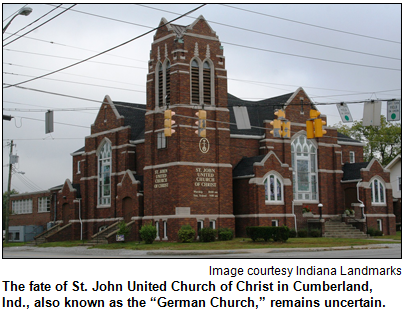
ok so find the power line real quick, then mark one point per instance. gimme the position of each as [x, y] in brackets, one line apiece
[108, 50]
[310, 57]
[108, 18]
[312, 25]
[38, 26]
[76, 75]
[32, 22]
[281, 37]
[81, 83]
[74, 59]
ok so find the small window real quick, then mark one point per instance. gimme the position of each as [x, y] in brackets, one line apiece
[17, 236]
[212, 224]
[273, 189]
[200, 225]
[352, 157]
[274, 222]
[44, 204]
[379, 225]
[377, 192]
[161, 141]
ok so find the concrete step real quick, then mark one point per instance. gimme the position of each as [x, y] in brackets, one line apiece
[340, 229]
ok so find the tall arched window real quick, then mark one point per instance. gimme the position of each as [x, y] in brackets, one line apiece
[207, 83]
[304, 163]
[104, 174]
[167, 82]
[377, 191]
[273, 189]
[195, 82]
[159, 84]
[162, 83]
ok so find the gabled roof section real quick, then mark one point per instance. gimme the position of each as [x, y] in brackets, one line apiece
[394, 161]
[245, 167]
[201, 18]
[134, 116]
[346, 139]
[352, 171]
[258, 111]
[300, 89]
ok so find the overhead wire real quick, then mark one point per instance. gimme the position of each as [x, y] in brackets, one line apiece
[276, 36]
[32, 22]
[74, 59]
[145, 110]
[108, 50]
[312, 25]
[38, 26]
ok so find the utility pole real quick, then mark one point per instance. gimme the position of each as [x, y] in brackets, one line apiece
[8, 190]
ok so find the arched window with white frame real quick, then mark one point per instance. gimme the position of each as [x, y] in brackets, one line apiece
[104, 174]
[305, 166]
[377, 191]
[273, 189]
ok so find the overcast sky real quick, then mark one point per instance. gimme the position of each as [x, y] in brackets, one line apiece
[336, 52]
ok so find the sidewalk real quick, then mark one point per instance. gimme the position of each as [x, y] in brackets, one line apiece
[116, 253]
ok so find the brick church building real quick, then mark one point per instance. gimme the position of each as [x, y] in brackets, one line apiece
[235, 177]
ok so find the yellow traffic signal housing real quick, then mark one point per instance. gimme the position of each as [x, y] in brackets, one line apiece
[286, 129]
[201, 123]
[276, 132]
[169, 123]
[280, 113]
[314, 113]
[319, 132]
[310, 129]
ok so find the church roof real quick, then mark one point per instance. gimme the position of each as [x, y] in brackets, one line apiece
[245, 166]
[134, 116]
[352, 171]
[258, 111]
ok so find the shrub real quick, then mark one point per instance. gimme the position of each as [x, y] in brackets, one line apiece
[225, 234]
[207, 235]
[378, 233]
[267, 232]
[148, 233]
[186, 234]
[123, 229]
[293, 233]
[302, 233]
[281, 234]
[315, 233]
[371, 231]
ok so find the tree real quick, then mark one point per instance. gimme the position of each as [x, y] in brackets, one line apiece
[382, 143]
[5, 205]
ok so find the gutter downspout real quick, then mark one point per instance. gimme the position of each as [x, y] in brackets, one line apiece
[295, 217]
[80, 218]
[361, 204]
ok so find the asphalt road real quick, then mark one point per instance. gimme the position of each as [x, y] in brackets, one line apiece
[387, 251]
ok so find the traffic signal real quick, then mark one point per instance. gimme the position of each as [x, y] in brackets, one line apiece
[310, 129]
[286, 132]
[281, 126]
[201, 123]
[319, 132]
[314, 125]
[276, 132]
[169, 123]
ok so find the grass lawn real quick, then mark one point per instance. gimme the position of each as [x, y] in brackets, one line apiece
[237, 243]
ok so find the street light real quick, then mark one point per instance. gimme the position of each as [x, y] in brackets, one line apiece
[23, 11]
